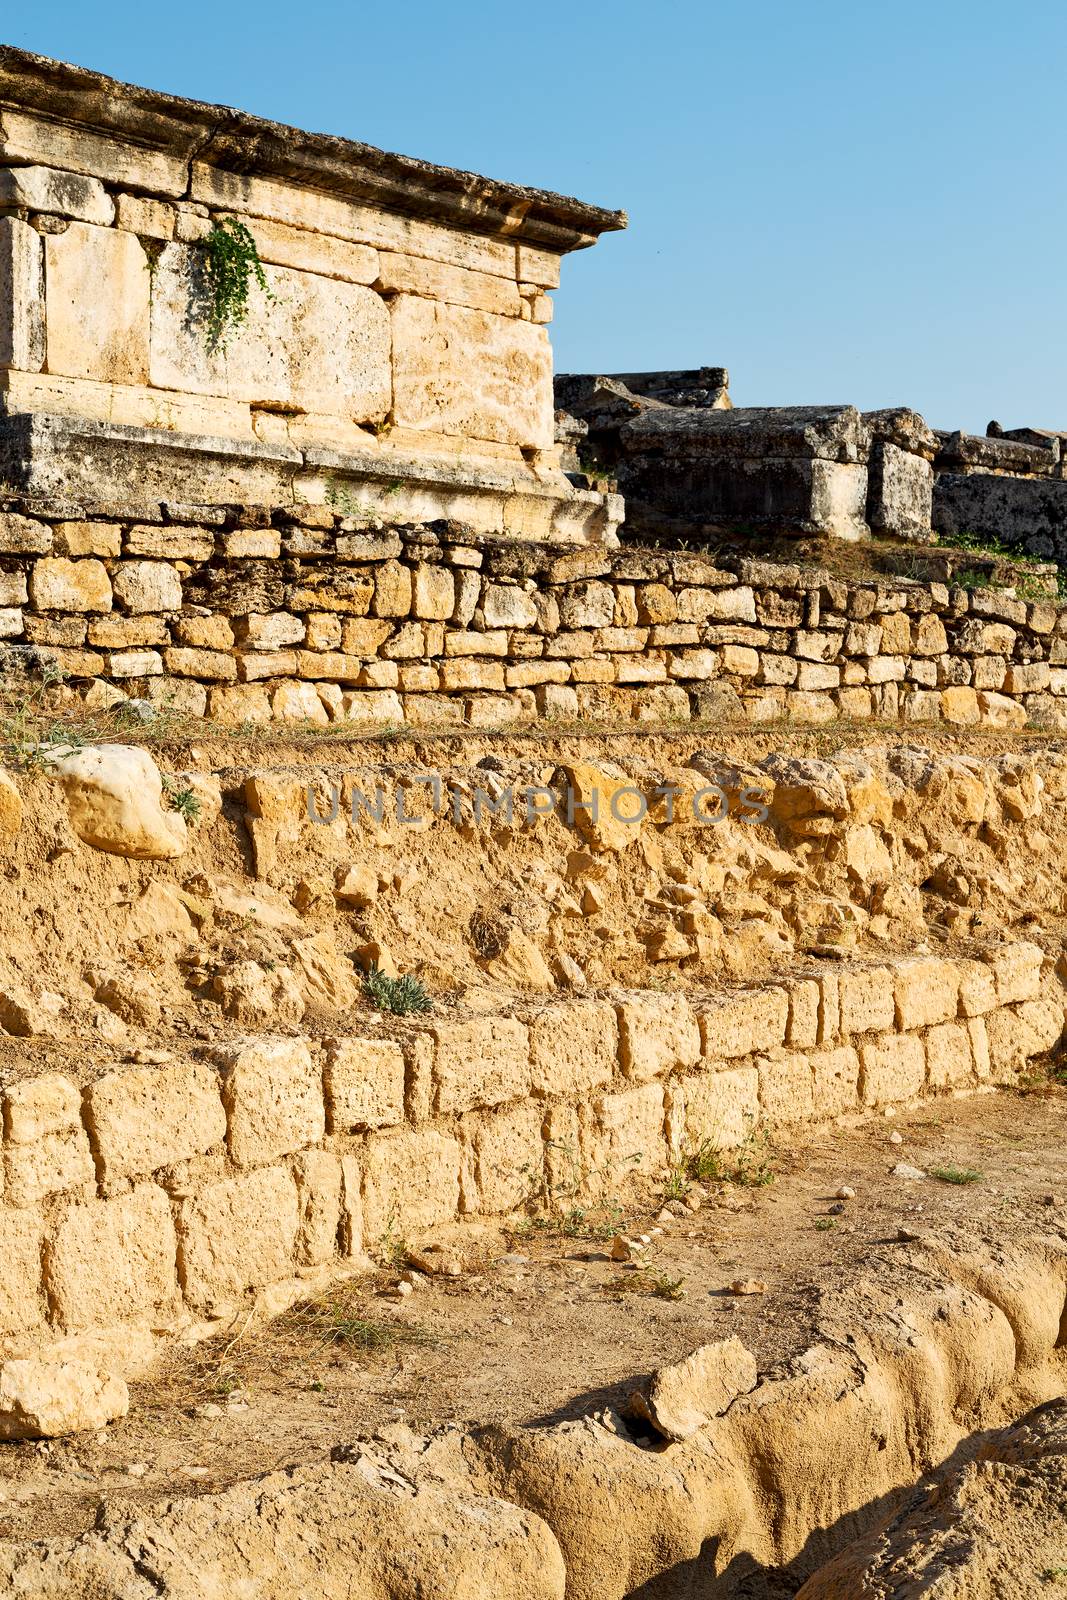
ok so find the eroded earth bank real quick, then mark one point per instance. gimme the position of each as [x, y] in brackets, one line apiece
[387, 1121]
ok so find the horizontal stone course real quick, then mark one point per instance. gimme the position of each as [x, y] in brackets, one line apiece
[406, 610]
[203, 1182]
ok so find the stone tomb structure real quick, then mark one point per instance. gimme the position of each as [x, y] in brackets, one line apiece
[1009, 486]
[397, 351]
[689, 464]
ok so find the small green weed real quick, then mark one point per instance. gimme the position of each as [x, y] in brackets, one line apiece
[180, 798]
[232, 265]
[402, 996]
[958, 1175]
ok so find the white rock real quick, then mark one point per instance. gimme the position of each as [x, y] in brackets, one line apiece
[904, 1169]
[47, 1399]
[684, 1397]
[115, 800]
[846, 1192]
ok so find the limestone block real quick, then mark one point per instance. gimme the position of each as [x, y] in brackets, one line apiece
[630, 1133]
[135, 664]
[948, 1055]
[21, 1305]
[997, 711]
[206, 633]
[959, 704]
[61, 194]
[786, 1088]
[315, 343]
[977, 637]
[812, 645]
[479, 1063]
[283, 246]
[241, 703]
[152, 219]
[321, 213]
[22, 535]
[722, 1107]
[319, 1176]
[926, 991]
[150, 1117]
[238, 1235]
[802, 1030]
[537, 266]
[681, 1399]
[835, 1077]
[460, 674]
[148, 586]
[573, 1047]
[57, 584]
[1028, 679]
[217, 665]
[457, 286]
[21, 296]
[73, 148]
[508, 606]
[40, 1106]
[112, 1261]
[49, 1399]
[298, 702]
[978, 988]
[170, 543]
[274, 1101]
[1011, 1042]
[1017, 971]
[893, 1068]
[508, 1149]
[867, 999]
[739, 660]
[657, 1034]
[458, 371]
[56, 1161]
[433, 592]
[87, 538]
[392, 590]
[737, 1024]
[410, 1182]
[364, 1081]
[98, 294]
[588, 605]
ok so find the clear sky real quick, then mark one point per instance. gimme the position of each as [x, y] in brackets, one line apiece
[839, 200]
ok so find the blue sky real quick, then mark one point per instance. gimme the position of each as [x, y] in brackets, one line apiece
[838, 201]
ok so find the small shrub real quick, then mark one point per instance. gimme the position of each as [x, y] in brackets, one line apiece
[182, 799]
[953, 1174]
[333, 1321]
[402, 996]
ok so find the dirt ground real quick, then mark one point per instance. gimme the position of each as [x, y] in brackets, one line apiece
[545, 1325]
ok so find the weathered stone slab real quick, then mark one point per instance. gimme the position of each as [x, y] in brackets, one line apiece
[459, 371]
[238, 1235]
[21, 296]
[97, 293]
[62, 194]
[312, 342]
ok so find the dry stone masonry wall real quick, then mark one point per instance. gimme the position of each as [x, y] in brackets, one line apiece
[306, 614]
[165, 1194]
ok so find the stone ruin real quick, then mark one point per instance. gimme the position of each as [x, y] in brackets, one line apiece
[352, 512]
[691, 465]
[396, 352]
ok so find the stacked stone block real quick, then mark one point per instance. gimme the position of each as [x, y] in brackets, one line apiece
[304, 614]
[163, 1193]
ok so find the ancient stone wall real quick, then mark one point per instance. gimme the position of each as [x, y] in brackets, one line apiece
[166, 1194]
[305, 614]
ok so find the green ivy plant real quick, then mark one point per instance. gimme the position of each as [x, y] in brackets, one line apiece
[232, 263]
